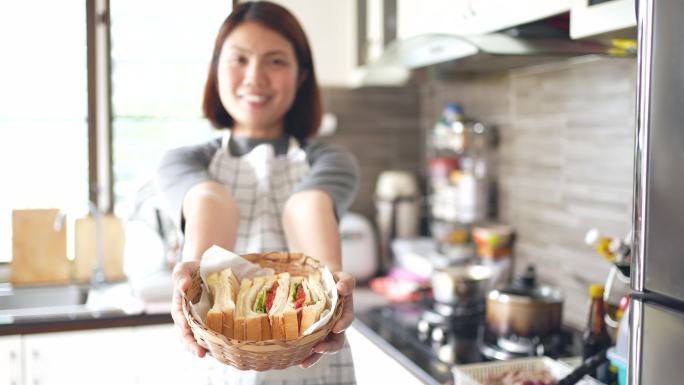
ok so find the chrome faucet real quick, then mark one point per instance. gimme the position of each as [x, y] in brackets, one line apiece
[97, 277]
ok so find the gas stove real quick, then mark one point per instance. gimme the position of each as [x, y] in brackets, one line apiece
[437, 337]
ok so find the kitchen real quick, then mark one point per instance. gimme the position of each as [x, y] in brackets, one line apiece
[565, 154]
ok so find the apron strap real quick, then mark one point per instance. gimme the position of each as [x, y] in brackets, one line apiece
[293, 145]
[225, 140]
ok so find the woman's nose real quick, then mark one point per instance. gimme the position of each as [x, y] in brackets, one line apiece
[254, 73]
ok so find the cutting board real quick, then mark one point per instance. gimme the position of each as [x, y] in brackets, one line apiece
[85, 248]
[39, 253]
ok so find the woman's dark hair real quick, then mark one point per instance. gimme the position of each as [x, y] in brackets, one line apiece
[304, 117]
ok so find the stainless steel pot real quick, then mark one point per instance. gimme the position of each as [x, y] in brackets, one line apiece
[461, 284]
[525, 309]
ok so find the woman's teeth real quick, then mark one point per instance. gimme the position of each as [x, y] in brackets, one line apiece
[254, 98]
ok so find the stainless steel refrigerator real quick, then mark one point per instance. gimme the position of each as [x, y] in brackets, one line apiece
[656, 354]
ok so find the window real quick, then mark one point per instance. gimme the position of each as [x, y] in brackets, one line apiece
[43, 108]
[160, 54]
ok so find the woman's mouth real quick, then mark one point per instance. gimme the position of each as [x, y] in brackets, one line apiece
[254, 99]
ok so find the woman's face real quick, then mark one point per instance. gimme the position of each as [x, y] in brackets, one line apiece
[257, 79]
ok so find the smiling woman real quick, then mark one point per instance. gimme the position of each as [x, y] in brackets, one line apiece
[267, 185]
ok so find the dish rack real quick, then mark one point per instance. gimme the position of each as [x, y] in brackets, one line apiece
[474, 374]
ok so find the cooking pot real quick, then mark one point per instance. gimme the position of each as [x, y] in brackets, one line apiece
[460, 284]
[525, 309]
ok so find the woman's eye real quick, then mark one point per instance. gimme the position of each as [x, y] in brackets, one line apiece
[238, 60]
[278, 62]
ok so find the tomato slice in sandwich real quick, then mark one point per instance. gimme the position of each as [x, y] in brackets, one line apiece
[271, 295]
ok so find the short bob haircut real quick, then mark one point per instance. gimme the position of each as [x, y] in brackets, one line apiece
[304, 117]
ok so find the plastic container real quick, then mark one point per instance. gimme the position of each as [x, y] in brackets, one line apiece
[622, 339]
[620, 363]
[619, 354]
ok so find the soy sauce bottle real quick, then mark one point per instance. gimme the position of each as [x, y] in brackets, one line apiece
[595, 337]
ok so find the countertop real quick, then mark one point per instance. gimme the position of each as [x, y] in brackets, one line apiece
[82, 322]
[364, 299]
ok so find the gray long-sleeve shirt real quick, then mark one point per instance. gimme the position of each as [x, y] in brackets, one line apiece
[332, 169]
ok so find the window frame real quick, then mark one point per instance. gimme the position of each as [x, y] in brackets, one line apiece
[100, 166]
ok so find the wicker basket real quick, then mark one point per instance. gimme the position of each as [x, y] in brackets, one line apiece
[262, 355]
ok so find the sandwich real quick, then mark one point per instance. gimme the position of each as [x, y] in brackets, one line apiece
[223, 289]
[279, 307]
[283, 320]
[314, 304]
[257, 325]
[305, 303]
[248, 322]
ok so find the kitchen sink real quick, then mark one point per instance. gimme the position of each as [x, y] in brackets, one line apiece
[66, 301]
[42, 296]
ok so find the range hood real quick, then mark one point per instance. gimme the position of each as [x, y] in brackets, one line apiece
[479, 53]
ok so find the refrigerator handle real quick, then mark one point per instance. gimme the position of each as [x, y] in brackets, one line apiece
[641, 142]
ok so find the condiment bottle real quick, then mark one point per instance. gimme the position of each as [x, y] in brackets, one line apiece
[601, 243]
[595, 337]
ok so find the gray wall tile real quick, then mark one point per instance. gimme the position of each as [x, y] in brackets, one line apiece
[379, 125]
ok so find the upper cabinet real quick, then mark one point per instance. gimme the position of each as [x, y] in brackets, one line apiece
[471, 17]
[332, 29]
[603, 18]
[350, 38]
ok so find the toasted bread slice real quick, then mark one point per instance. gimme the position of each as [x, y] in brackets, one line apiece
[277, 327]
[253, 321]
[240, 303]
[222, 287]
[215, 321]
[290, 318]
[291, 324]
[314, 304]
[279, 305]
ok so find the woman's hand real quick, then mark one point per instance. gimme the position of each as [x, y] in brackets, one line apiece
[335, 340]
[182, 274]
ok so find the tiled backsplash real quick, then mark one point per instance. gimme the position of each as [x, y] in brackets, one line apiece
[565, 161]
[380, 126]
[565, 155]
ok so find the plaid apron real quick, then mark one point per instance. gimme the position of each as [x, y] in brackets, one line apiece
[261, 182]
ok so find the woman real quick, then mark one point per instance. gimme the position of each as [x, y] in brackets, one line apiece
[263, 186]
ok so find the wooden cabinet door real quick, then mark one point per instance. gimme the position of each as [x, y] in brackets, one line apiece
[10, 361]
[84, 357]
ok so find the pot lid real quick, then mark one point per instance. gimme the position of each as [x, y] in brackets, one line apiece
[526, 288]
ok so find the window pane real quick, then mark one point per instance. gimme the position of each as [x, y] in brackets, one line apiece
[43, 109]
[160, 55]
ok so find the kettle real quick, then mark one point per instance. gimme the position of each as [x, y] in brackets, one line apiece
[397, 205]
